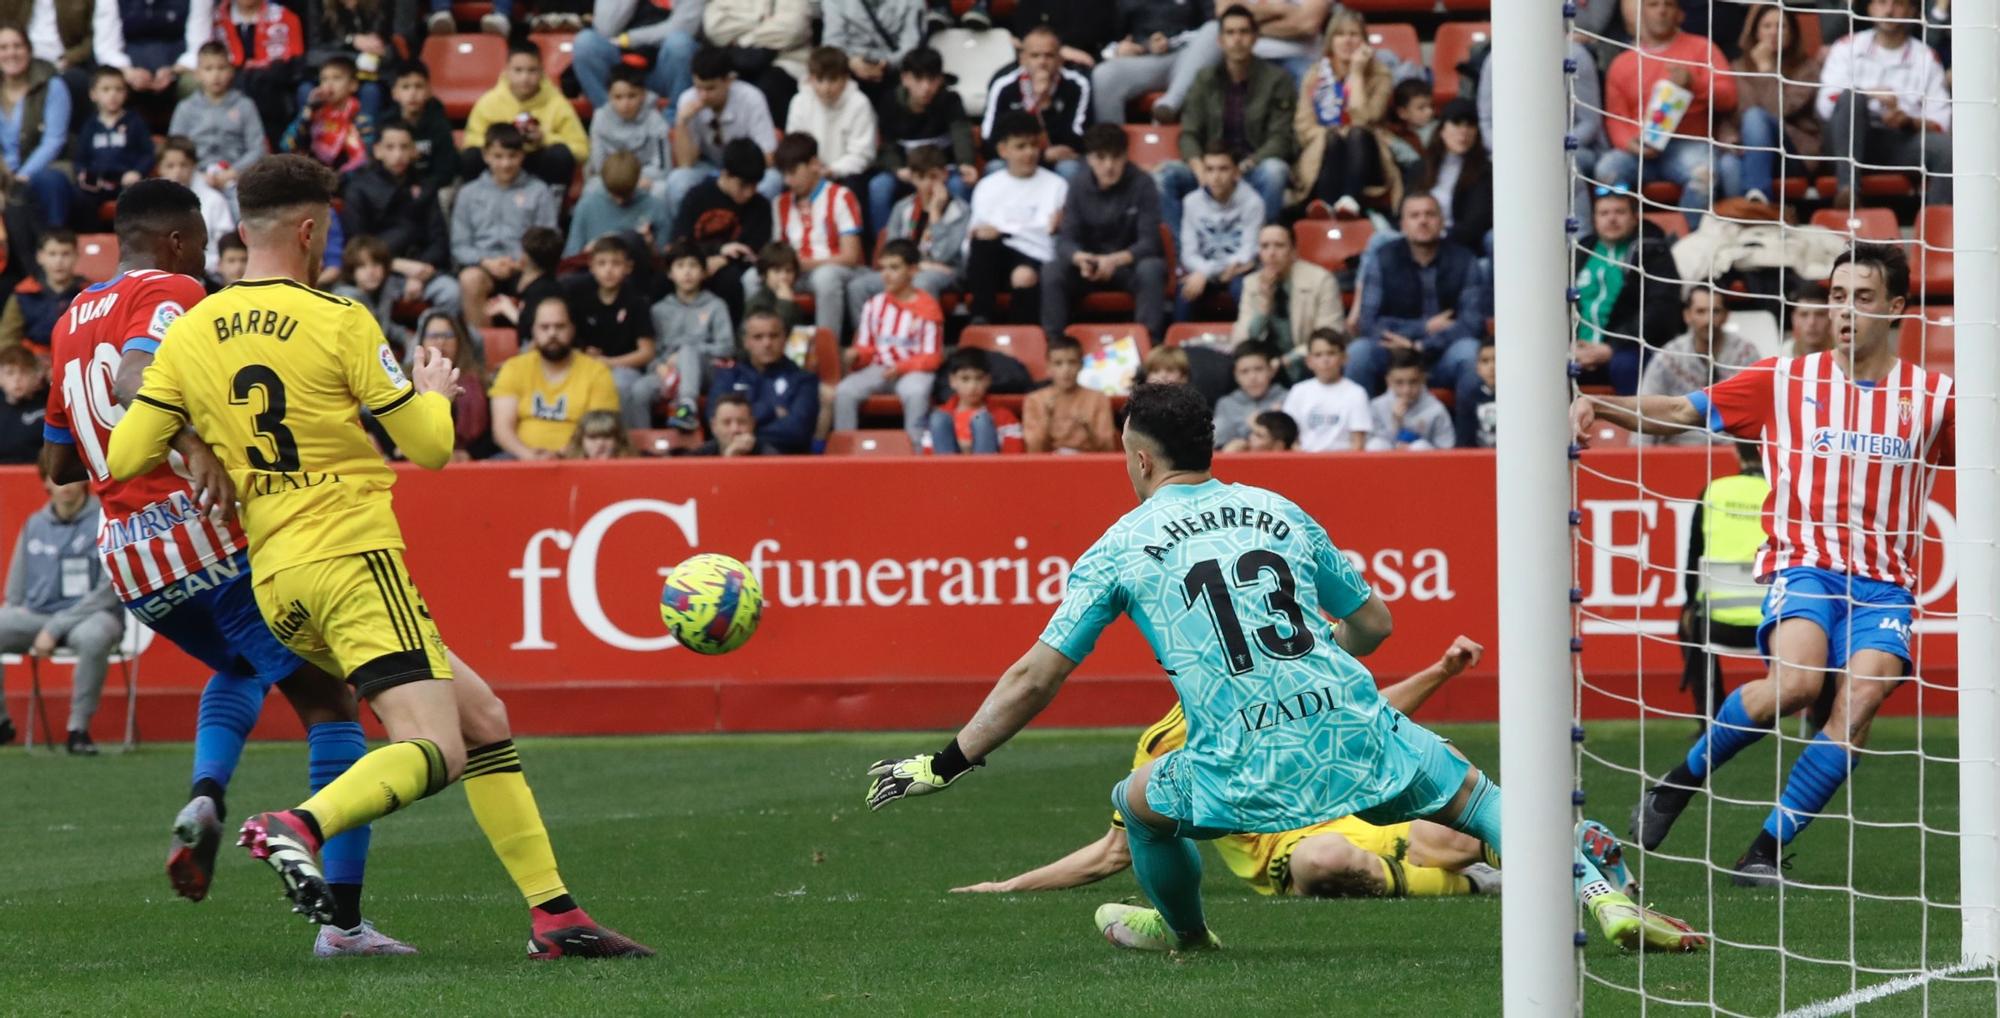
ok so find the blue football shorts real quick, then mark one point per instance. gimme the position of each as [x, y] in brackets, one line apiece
[1856, 614]
[213, 616]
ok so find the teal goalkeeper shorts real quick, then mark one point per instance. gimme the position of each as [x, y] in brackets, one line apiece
[1439, 775]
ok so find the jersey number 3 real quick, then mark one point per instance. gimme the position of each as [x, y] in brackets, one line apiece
[270, 423]
[1205, 581]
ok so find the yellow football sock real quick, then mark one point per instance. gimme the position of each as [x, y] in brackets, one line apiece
[380, 783]
[505, 808]
[1401, 880]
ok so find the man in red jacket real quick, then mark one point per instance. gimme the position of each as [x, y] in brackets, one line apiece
[1647, 125]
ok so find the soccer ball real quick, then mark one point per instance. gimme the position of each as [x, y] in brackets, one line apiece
[711, 604]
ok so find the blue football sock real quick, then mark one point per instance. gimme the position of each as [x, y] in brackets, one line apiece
[1481, 816]
[1818, 774]
[229, 709]
[1169, 871]
[331, 749]
[1733, 729]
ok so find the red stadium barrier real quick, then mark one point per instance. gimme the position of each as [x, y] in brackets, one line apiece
[899, 588]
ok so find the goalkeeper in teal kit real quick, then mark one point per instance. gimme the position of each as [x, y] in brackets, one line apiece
[1228, 584]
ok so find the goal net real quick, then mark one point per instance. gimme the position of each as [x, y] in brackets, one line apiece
[1722, 155]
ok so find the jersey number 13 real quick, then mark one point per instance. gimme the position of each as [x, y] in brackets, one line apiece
[1204, 582]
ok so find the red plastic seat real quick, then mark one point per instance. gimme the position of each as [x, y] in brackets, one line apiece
[1024, 343]
[558, 52]
[1931, 258]
[1398, 38]
[1331, 243]
[1873, 185]
[463, 68]
[1182, 332]
[97, 256]
[1661, 192]
[825, 358]
[1928, 339]
[1093, 336]
[498, 343]
[1861, 223]
[869, 442]
[1454, 41]
[1112, 305]
[1153, 145]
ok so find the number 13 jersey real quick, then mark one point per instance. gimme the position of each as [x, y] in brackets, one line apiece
[152, 536]
[273, 374]
[1228, 583]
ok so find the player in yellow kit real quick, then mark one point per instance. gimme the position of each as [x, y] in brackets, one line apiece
[272, 374]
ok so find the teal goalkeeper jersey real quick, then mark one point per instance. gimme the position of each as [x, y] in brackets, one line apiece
[1228, 583]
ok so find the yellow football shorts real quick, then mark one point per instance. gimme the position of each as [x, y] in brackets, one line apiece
[358, 617]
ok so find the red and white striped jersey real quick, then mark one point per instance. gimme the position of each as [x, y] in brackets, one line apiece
[814, 227]
[1850, 462]
[906, 333]
[153, 534]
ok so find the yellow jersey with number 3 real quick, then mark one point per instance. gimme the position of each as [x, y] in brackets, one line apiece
[273, 374]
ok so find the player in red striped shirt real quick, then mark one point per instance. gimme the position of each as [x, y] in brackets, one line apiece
[1852, 439]
[176, 555]
[897, 347]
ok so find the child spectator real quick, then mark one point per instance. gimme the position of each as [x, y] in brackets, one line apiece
[1407, 416]
[525, 99]
[718, 110]
[24, 396]
[613, 324]
[39, 300]
[232, 257]
[488, 218]
[784, 399]
[1256, 370]
[930, 218]
[630, 123]
[1013, 224]
[1166, 365]
[920, 114]
[821, 219]
[1474, 411]
[366, 279]
[1408, 128]
[1219, 224]
[599, 436]
[390, 201]
[896, 347]
[837, 116]
[543, 392]
[1332, 412]
[470, 415]
[733, 423]
[1064, 416]
[778, 269]
[332, 128]
[265, 44]
[115, 148]
[695, 332]
[541, 252]
[418, 110]
[966, 423]
[360, 31]
[223, 124]
[1273, 431]
[728, 221]
[874, 36]
[619, 204]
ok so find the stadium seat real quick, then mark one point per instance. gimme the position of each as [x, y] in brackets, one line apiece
[870, 442]
[97, 256]
[1400, 39]
[1153, 145]
[1604, 436]
[1452, 45]
[1862, 223]
[1185, 332]
[1675, 224]
[467, 12]
[558, 50]
[1117, 304]
[1931, 258]
[1661, 192]
[1093, 336]
[1928, 339]
[463, 68]
[1024, 343]
[1873, 185]
[1331, 243]
[652, 441]
[824, 360]
[497, 344]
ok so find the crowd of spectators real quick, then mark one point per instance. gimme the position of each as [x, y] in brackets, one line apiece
[664, 228]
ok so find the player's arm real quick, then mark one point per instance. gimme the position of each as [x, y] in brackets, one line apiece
[1366, 628]
[143, 437]
[1107, 856]
[1410, 694]
[1022, 692]
[1643, 415]
[214, 491]
[419, 418]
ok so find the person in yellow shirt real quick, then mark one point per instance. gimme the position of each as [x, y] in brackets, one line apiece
[542, 393]
[527, 99]
[272, 374]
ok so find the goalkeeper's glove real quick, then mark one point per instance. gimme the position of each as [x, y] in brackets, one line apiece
[917, 775]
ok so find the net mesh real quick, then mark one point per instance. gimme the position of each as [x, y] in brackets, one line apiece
[1760, 167]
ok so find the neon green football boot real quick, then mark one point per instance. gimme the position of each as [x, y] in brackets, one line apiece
[1143, 929]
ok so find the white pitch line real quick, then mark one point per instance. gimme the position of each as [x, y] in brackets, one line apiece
[1888, 988]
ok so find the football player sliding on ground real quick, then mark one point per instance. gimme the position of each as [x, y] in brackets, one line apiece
[1285, 726]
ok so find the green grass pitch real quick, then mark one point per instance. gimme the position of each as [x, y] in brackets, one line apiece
[751, 864]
